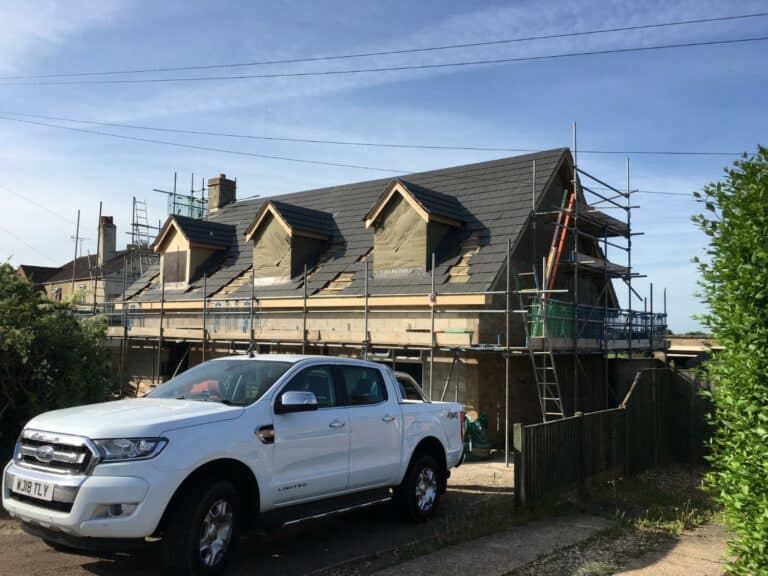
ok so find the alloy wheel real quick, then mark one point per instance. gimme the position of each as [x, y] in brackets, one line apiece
[216, 533]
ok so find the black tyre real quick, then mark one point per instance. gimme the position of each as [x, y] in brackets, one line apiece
[418, 496]
[203, 528]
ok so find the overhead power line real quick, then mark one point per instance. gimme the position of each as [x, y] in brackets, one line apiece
[686, 194]
[305, 59]
[38, 204]
[204, 148]
[242, 153]
[27, 244]
[403, 68]
[357, 142]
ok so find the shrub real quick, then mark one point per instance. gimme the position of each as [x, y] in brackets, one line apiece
[48, 358]
[734, 284]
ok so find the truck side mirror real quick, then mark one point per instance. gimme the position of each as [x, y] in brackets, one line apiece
[296, 401]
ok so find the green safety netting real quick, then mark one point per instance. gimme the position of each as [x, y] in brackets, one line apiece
[559, 317]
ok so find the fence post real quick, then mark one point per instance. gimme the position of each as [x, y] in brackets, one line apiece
[518, 446]
[582, 452]
[627, 432]
[656, 417]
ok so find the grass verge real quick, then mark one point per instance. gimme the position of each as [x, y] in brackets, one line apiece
[651, 510]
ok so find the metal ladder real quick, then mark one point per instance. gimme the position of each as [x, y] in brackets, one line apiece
[141, 234]
[542, 358]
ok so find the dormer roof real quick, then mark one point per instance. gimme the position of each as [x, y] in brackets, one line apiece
[431, 206]
[297, 220]
[199, 233]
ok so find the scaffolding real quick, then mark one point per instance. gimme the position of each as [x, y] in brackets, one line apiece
[581, 219]
[190, 205]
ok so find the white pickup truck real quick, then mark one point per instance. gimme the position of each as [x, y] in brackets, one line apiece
[233, 442]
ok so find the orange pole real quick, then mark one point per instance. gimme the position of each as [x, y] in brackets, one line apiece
[553, 247]
[563, 233]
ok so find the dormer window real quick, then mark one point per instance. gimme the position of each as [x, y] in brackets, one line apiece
[185, 244]
[409, 221]
[286, 238]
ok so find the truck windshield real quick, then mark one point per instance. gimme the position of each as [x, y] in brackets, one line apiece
[233, 382]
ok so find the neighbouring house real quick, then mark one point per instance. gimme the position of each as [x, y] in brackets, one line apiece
[79, 280]
[691, 351]
[410, 271]
[38, 275]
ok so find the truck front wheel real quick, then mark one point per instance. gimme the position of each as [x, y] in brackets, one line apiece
[203, 528]
[418, 495]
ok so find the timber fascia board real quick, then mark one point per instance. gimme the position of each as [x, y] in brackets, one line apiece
[343, 302]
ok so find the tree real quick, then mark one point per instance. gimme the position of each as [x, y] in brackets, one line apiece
[734, 284]
[48, 357]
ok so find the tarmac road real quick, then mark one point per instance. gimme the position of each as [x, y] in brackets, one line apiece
[314, 546]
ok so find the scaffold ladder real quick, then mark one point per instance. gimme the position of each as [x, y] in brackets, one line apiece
[540, 354]
[141, 236]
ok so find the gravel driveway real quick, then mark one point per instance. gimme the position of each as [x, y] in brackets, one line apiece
[474, 490]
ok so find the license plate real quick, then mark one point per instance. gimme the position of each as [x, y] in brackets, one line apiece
[32, 488]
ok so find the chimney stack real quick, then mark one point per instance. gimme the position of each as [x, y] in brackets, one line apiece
[107, 239]
[221, 191]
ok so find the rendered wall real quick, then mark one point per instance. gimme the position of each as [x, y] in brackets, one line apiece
[400, 240]
[271, 252]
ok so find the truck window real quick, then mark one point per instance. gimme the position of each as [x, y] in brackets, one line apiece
[319, 381]
[239, 382]
[409, 389]
[363, 385]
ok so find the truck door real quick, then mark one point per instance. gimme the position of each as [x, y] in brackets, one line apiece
[311, 456]
[375, 426]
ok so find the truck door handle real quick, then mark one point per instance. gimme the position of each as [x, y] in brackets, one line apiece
[266, 434]
[337, 424]
[387, 418]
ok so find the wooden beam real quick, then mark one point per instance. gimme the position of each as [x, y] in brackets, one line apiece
[332, 302]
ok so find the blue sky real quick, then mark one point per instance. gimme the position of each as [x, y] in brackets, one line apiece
[710, 98]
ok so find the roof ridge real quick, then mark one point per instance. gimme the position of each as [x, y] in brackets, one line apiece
[386, 181]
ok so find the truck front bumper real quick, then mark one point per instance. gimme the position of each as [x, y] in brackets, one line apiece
[85, 543]
[92, 506]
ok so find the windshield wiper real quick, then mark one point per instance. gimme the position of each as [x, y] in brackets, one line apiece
[229, 402]
[208, 399]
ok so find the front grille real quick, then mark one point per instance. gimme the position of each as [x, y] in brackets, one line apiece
[53, 505]
[55, 453]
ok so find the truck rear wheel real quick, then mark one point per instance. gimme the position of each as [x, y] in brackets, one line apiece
[417, 497]
[203, 529]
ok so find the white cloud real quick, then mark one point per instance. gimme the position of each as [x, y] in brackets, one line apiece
[32, 29]
[491, 23]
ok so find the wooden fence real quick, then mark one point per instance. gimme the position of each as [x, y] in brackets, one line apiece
[661, 420]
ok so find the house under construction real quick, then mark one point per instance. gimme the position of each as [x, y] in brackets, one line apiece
[488, 282]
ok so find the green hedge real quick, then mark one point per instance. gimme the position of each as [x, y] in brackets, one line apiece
[734, 282]
[48, 358]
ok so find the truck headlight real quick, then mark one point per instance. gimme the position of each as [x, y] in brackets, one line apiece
[116, 449]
